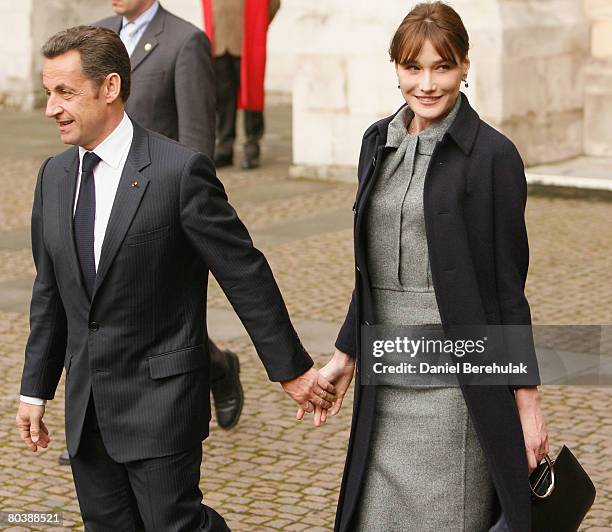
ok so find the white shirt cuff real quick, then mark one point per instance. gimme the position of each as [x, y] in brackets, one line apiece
[32, 400]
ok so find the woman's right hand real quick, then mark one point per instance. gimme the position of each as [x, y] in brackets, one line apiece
[339, 371]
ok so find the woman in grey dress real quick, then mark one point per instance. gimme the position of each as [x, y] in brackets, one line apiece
[425, 469]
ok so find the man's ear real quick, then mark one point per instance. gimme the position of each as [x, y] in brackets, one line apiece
[111, 87]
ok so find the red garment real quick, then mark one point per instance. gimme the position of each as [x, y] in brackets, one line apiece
[253, 63]
[209, 27]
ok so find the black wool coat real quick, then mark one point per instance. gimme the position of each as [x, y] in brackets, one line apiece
[474, 201]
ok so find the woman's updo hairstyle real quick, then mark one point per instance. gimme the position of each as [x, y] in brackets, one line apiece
[435, 21]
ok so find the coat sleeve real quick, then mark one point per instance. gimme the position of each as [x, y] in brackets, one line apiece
[512, 256]
[224, 245]
[347, 337]
[46, 346]
[194, 89]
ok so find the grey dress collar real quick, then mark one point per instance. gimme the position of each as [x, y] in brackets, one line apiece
[427, 138]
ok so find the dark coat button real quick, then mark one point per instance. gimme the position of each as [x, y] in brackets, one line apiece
[94, 326]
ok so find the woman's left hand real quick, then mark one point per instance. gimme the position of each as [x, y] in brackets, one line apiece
[535, 433]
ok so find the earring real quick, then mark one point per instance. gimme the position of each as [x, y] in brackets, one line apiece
[466, 83]
[398, 86]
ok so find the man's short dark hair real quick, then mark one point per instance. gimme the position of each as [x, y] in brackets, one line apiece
[101, 51]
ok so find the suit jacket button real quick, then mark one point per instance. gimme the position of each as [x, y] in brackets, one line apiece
[94, 326]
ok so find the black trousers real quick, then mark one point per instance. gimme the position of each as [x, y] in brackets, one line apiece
[227, 70]
[152, 495]
[218, 362]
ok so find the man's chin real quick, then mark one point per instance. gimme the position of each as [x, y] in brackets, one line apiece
[68, 138]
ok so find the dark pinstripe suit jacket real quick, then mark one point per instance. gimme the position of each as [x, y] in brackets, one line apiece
[141, 343]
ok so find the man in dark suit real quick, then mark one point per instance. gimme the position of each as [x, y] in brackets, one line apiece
[126, 226]
[173, 93]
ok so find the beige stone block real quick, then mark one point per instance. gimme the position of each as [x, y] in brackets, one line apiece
[320, 84]
[187, 9]
[597, 8]
[312, 137]
[15, 62]
[564, 82]
[598, 109]
[543, 28]
[541, 85]
[329, 139]
[347, 133]
[524, 87]
[545, 138]
[601, 38]
[372, 84]
[485, 91]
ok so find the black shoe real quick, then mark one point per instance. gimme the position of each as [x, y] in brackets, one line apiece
[249, 162]
[223, 160]
[64, 458]
[227, 394]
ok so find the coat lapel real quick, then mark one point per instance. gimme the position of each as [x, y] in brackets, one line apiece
[127, 201]
[67, 191]
[117, 25]
[149, 39]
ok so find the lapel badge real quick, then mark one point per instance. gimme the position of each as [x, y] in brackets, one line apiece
[147, 47]
[134, 184]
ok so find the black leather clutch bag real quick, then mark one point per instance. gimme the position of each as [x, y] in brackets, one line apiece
[562, 494]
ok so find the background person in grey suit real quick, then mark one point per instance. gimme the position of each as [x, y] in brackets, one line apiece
[173, 93]
[126, 226]
[173, 84]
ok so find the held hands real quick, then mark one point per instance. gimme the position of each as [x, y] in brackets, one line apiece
[534, 428]
[339, 371]
[31, 427]
[309, 389]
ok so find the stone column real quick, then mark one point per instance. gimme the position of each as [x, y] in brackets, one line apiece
[598, 81]
[527, 59]
[28, 24]
[16, 61]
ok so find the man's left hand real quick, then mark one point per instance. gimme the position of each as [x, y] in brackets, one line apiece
[310, 389]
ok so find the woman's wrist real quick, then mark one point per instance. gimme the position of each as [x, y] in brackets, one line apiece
[528, 395]
[342, 358]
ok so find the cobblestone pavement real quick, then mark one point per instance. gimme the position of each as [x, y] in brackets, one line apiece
[271, 472]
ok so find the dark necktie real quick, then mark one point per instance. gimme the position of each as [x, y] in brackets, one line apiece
[84, 221]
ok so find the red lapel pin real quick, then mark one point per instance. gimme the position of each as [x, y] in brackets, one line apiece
[134, 184]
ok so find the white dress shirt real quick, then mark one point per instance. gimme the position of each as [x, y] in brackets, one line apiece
[131, 32]
[113, 152]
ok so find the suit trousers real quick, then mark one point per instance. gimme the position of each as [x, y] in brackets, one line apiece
[227, 71]
[218, 362]
[153, 495]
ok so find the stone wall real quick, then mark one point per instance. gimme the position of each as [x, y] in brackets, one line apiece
[526, 76]
[16, 70]
[598, 81]
[32, 23]
[529, 68]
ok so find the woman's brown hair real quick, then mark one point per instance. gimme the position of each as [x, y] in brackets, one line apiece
[433, 21]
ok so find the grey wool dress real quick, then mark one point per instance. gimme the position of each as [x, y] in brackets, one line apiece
[426, 470]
